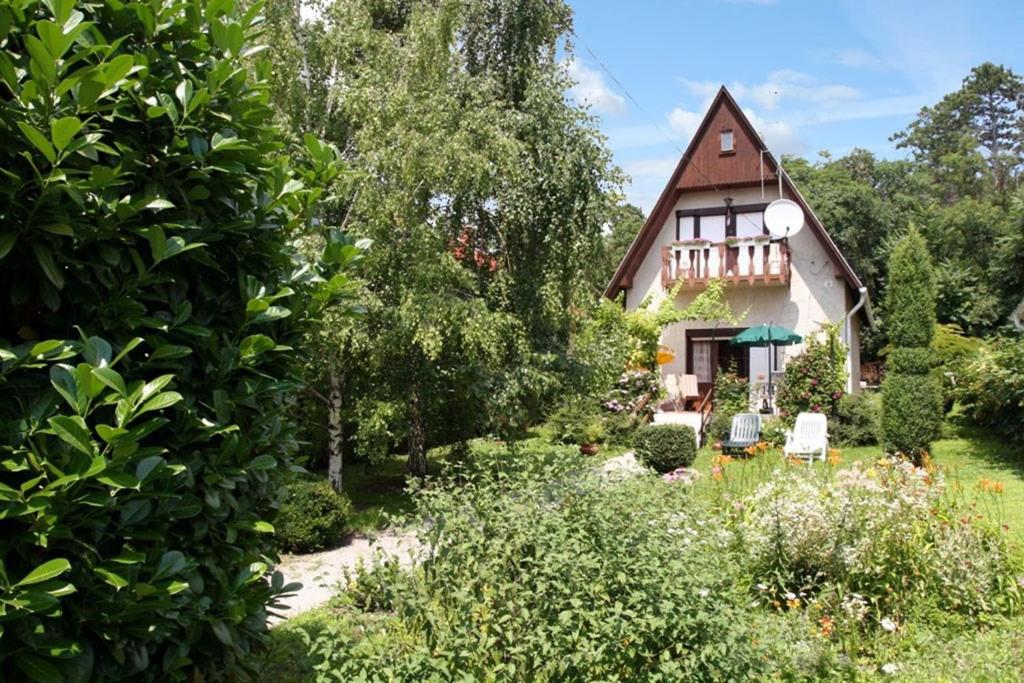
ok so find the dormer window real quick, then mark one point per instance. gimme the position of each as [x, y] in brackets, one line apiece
[727, 142]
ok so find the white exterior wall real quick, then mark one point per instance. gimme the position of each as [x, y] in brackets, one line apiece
[816, 293]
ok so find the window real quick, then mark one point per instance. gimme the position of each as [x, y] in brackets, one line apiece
[727, 141]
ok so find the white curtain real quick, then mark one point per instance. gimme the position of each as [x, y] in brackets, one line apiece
[702, 360]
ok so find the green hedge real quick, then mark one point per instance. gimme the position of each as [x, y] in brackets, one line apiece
[313, 516]
[666, 447]
[149, 302]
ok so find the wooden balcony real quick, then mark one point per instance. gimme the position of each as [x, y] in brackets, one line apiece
[752, 261]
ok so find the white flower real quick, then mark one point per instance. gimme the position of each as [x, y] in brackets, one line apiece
[889, 669]
[888, 625]
[704, 592]
[791, 596]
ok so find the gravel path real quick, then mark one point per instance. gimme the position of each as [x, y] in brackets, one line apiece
[320, 573]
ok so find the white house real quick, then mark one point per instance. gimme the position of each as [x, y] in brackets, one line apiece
[709, 222]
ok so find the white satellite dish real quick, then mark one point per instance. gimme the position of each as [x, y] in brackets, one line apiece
[783, 218]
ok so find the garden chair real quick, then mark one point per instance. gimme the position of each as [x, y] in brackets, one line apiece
[809, 438]
[745, 432]
[681, 389]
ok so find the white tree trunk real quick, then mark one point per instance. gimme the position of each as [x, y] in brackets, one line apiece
[334, 433]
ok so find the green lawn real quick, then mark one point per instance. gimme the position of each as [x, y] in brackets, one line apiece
[966, 459]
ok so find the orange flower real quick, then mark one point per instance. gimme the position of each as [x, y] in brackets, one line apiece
[834, 456]
[826, 626]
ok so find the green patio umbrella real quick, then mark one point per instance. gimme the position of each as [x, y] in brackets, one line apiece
[767, 335]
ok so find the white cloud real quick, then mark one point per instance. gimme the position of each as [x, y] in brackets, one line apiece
[780, 85]
[590, 89]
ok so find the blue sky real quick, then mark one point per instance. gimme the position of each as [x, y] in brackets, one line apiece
[811, 75]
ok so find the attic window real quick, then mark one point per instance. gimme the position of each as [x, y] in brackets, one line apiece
[727, 142]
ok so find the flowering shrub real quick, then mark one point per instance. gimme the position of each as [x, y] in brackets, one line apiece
[815, 380]
[884, 533]
[636, 392]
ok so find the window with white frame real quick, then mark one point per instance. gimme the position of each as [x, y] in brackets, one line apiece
[727, 141]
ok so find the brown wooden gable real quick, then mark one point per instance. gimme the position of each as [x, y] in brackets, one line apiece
[703, 167]
[710, 167]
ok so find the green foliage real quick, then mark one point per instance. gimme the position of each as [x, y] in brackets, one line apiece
[984, 114]
[858, 420]
[732, 396]
[910, 293]
[547, 573]
[313, 516]
[665, 447]
[149, 306]
[576, 423]
[814, 380]
[991, 388]
[484, 190]
[911, 396]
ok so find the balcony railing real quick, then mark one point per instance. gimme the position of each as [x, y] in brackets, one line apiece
[751, 261]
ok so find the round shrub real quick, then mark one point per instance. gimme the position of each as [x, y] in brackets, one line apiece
[666, 447]
[313, 516]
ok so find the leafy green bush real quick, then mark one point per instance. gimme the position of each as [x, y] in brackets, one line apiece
[149, 304]
[547, 572]
[666, 447]
[574, 423]
[814, 380]
[991, 388]
[773, 432]
[857, 419]
[911, 397]
[313, 516]
[732, 396]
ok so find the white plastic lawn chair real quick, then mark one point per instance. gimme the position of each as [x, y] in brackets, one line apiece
[809, 438]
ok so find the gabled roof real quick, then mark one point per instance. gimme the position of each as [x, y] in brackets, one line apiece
[733, 171]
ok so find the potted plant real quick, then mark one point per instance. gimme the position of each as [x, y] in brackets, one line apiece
[590, 434]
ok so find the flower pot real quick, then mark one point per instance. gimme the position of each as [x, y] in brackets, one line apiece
[588, 449]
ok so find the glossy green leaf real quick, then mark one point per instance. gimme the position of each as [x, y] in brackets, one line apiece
[63, 130]
[162, 400]
[45, 572]
[73, 430]
[38, 141]
[112, 379]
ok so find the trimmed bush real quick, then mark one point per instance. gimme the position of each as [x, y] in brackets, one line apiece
[150, 302]
[858, 419]
[313, 516]
[911, 397]
[666, 447]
